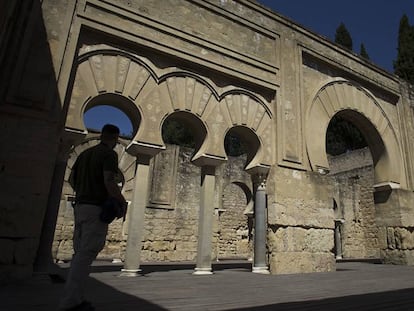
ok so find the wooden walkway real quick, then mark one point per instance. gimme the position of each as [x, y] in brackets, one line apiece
[354, 286]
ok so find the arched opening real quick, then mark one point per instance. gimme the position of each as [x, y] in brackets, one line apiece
[343, 136]
[351, 130]
[234, 223]
[358, 106]
[354, 146]
[183, 129]
[172, 210]
[96, 117]
[114, 248]
[114, 109]
[241, 141]
[235, 216]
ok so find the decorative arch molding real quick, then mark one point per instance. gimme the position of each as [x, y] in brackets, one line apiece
[133, 86]
[241, 109]
[101, 75]
[340, 95]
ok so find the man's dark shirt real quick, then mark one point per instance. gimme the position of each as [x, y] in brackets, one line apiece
[88, 173]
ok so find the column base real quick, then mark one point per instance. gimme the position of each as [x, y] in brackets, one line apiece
[130, 272]
[261, 270]
[338, 257]
[202, 271]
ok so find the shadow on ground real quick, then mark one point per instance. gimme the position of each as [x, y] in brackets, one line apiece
[399, 300]
[165, 267]
[41, 294]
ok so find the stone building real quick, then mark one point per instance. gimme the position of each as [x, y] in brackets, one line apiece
[217, 66]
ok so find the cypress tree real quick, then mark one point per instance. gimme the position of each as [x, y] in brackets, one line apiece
[343, 136]
[343, 37]
[363, 52]
[404, 65]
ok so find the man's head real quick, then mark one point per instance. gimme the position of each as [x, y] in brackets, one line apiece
[109, 135]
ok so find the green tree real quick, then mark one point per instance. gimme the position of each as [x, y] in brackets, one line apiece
[363, 51]
[234, 145]
[343, 136]
[343, 37]
[175, 133]
[404, 65]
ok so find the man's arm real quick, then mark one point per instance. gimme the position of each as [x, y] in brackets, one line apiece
[112, 187]
[72, 177]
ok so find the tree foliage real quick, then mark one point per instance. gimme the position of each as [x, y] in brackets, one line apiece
[363, 51]
[175, 133]
[343, 136]
[343, 37]
[404, 65]
[234, 145]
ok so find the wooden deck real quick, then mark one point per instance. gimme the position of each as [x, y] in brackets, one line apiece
[354, 286]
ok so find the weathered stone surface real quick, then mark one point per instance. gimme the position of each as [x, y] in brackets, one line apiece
[301, 199]
[398, 257]
[296, 239]
[301, 262]
[354, 205]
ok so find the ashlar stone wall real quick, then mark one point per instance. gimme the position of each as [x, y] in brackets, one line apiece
[300, 219]
[353, 175]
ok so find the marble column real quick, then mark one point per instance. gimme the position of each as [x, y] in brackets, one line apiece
[260, 228]
[205, 221]
[137, 218]
[338, 238]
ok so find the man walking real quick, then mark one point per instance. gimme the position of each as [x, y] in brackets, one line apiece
[93, 179]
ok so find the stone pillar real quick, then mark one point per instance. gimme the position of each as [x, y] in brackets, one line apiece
[44, 259]
[260, 227]
[205, 221]
[137, 218]
[338, 238]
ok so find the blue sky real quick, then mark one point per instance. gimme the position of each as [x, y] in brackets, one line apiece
[374, 23]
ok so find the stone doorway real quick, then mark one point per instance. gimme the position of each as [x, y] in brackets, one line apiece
[234, 225]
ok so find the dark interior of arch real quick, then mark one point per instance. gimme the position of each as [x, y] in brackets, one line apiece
[183, 129]
[241, 140]
[349, 130]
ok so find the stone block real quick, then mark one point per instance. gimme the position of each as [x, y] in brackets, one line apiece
[296, 239]
[301, 262]
[398, 257]
[395, 208]
[403, 238]
[301, 199]
[382, 237]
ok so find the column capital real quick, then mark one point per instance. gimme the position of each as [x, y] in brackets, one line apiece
[137, 148]
[259, 181]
